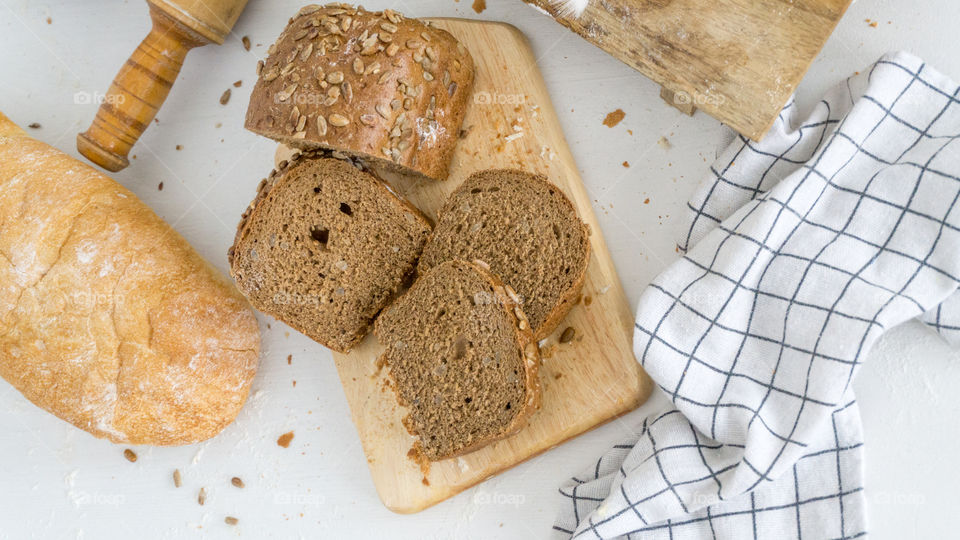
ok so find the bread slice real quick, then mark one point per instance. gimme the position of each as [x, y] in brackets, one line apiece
[463, 359]
[324, 247]
[529, 233]
[376, 85]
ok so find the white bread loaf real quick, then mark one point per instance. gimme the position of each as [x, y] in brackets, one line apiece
[108, 318]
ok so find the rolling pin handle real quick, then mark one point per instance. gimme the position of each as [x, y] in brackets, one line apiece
[137, 92]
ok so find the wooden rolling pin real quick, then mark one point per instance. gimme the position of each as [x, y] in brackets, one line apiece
[141, 86]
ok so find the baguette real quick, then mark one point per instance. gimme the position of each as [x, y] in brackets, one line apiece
[108, 318]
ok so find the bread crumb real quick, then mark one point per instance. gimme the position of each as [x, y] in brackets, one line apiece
[230, 520]
[34, 125]
[284, 440]
[160, 186]
[479, 5]
[289, 359]
[49, 20]
[587, 300]
[177, 479]
[225, 97]
[626, 164]
[237, 84]
[664, 143]
[646, 201]
[246, 42]
[614, 118]
[416, 455]
[130, 455]
[237, 482]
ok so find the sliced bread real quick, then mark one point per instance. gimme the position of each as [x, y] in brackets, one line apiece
[463, 359]
[324, 246]
[377, 85]
[529, 233]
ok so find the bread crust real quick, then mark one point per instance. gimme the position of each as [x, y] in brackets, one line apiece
[108, 318]
[531, 353]
[376, 85]
[269, 183]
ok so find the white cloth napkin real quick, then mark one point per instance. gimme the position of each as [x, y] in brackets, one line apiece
[803, 250]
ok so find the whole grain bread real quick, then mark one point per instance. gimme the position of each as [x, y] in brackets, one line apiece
[529, 233]
[375, 85]
[108, 318]
[463, 359]
[324, 246]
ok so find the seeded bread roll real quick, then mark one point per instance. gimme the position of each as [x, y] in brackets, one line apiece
[108, 318]
[375, 85]
[325, 246]
[529, 233]
[463, 358]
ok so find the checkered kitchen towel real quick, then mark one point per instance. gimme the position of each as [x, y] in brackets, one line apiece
[802, 250]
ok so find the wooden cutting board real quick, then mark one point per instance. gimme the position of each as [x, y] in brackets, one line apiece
[509, 123]
[737, 60]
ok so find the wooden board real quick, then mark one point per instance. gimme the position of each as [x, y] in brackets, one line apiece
[586, 382]
[738, 60]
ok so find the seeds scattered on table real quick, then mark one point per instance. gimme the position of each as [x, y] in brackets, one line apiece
[230, 520]
[246, 42]
[237, 482]
[237, 84]
[225, 97]
[568, 334]
[130, 455]
[177, 480]
[179, 147]
[34, 125]
[202, 496]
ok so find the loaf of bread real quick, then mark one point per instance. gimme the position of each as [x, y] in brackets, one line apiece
[375, 85]
[324, 246]
[463, 358]
[108, 318]
[529, 233]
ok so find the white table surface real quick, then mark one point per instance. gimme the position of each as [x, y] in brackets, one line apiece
[58, 482]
